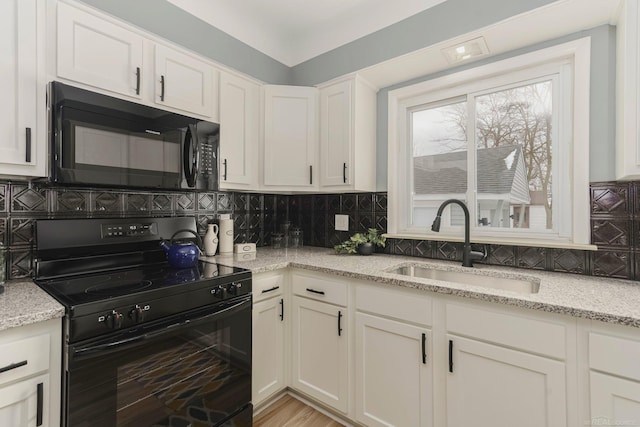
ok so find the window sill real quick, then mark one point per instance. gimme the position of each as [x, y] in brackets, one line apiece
[495, 241]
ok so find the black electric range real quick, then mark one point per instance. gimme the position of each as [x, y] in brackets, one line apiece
[130, 315]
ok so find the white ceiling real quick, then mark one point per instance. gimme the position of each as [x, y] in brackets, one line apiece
[293, 31]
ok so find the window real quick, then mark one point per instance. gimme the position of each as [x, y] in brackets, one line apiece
[506, 138]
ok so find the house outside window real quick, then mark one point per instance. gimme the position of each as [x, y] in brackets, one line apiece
[506, 138]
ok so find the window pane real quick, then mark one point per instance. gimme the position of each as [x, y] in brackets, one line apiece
[439, 146]
[514, 147]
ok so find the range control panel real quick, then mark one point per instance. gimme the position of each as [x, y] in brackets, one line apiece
[137, 229]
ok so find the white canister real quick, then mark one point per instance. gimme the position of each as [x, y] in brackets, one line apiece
[211, 240]
[226, 234]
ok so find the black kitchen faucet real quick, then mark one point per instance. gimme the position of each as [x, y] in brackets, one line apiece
[468, 256]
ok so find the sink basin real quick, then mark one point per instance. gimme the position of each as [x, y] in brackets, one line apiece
[522, 286]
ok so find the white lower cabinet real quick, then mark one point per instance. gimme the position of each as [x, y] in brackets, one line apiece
[320, 338]
[490, 385]
[505, 367]
[614, 362]
[393, 373]
[268, 336]
[22, 404]
[30, 375]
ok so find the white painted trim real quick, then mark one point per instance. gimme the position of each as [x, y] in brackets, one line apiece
[527, 66]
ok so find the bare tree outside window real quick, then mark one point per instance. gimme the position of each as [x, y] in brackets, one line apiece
[513, 143]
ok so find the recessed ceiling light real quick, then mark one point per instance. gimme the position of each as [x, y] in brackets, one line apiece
[466, 50]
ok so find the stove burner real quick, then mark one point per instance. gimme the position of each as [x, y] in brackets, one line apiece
[108, 288]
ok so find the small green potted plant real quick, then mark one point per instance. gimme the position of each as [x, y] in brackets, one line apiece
[361, 243]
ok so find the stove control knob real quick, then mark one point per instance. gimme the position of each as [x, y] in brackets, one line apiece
[233, 288]
[137, 314]
[218, 292]
[113, 320]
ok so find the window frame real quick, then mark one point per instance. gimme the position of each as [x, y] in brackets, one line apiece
[570, 64]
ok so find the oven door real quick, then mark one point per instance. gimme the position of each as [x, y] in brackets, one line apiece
[193, 370]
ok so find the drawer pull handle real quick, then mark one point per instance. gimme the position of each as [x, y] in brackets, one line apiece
[40, 398]
[13, 366]
[264, 291]
[282, 309]
[313, 291]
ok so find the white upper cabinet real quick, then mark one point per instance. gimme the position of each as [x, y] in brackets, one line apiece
[99, 53]
[290, 138]
[22, 123]
[184, 82]
[239, 132]
[348, 136]
[628, 91]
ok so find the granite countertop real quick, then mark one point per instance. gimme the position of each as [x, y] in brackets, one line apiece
[23, 303]
[597, 298]
[609, 300]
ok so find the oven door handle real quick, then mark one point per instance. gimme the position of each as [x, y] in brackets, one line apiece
[109, 347]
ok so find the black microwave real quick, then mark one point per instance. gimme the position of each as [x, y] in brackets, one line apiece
[98, 140]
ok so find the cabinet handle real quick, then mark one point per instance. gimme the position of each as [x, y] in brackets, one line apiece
[264, 291]
[310, 174]
[282, 309]
[344, 173]
[315, 292]
[40, 398]
[13, 366]
[424, 349]
[450, 355]
[162, 88]
[339, 323]
[137, 80]
[28, 145]
[224, 176]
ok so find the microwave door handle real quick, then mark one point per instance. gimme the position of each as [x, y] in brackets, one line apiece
[191, 155]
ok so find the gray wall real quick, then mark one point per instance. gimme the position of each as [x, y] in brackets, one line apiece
[437, 24]
[172, 23]
[442, 22]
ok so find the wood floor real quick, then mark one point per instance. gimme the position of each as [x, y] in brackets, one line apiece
[290, 412]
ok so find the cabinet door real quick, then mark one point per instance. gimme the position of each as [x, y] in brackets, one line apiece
[268, 349]
[24, 404]
[98, 53]
[495, 386]
[320, 361]
[183, 82]
[614, 400]
[393, 373]
[336, 134]
[290, 137]
[18, 114]
[239, 132]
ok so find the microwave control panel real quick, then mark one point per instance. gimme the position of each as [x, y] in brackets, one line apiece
[207, 158]
[137, 229]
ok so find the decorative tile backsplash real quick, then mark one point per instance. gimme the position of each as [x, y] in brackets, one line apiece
[615, 223]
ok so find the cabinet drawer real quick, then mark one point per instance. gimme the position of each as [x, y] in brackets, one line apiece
[521, 331]
[395, 304]
[267, 285]
[614, 355]
[25, 357]
[319, 288]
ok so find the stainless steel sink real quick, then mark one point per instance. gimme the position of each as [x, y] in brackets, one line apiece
[522, 286]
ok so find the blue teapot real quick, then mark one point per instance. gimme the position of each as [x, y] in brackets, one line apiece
[182, 255]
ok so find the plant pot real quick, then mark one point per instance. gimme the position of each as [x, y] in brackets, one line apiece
[365, 248]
